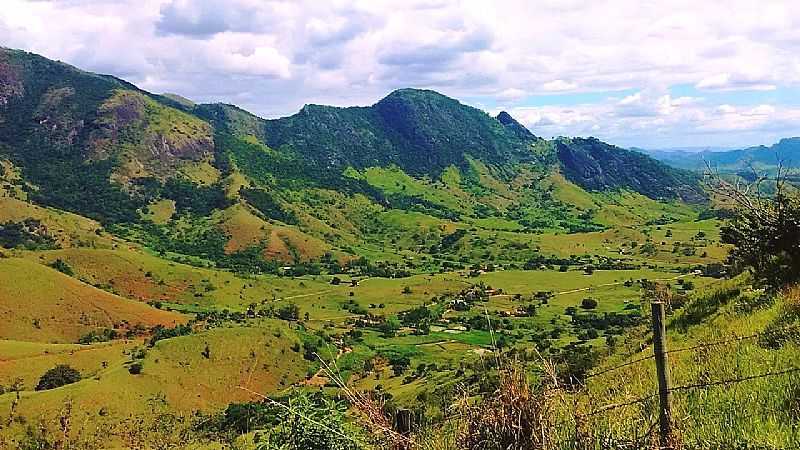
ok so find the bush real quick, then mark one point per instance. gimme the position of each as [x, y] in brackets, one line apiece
[60, 375]
[765, 240]
[135, 368]
[588, 303]
[104, 335]
[312, 422]
[289, 312]
[61, 266]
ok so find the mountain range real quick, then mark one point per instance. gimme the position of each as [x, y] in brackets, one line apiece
[761, 157]
[217, 183]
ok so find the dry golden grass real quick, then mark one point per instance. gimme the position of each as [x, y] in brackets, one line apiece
[38, 303]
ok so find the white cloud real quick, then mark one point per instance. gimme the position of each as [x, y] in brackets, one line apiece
[274, 56]
[558, 85]
[728, 82]
[684, 121]
[511, 94]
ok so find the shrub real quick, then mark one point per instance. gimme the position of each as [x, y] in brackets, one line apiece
[60, 375]
[312, 422]
[104, 335]
[289, 312]
[765, 238]
[135, 368]
[61, 266]
[588, 303]
[515, 415]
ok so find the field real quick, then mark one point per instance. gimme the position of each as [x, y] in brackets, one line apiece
[414, 335]
[42, 305]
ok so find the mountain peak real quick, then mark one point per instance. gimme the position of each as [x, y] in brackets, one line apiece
[415, 93]
[415, 98]
[512, 125]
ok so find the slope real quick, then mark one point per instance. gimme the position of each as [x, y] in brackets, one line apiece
[40, 304]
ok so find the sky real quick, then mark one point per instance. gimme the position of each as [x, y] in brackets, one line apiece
[652, 74]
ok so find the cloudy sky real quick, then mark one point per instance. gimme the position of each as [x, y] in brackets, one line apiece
[644, 73]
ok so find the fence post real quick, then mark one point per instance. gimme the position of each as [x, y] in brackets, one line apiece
[662, 368]
[404, 421]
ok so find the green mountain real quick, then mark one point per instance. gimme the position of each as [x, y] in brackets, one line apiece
[167, 260]
[422, 132]
[596, 165]
[220, 184]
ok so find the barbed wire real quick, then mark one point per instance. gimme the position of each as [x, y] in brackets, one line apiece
[786, 330]
[707, 384]
[621, 366]
[687, 387]
[735, 339]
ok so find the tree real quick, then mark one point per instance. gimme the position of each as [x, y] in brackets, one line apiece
[390, 327]
[60, 375]
[588, 303]
[61, 266]
[765, 231]
[289, 312]
[399, 364]
[135, 368]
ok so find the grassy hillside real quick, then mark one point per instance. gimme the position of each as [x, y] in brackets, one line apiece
[756, 413]
[178, 375]
[41, 304]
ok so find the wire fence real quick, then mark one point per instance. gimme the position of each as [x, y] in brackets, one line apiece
[768, 333]
[787, 331]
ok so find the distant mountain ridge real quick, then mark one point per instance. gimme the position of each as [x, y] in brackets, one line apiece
[786, 151]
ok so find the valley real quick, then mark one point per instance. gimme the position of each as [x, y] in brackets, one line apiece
[187, 260]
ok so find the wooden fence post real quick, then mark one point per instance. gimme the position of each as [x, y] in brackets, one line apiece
[662, 369]
[404, 421]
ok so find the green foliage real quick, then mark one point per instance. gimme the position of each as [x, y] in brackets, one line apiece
[266, 203]
[160, 332]
[58, 376]
[198, 238]
[194, 198]
[289, 312]
[104, 335]
[247, 417]
[597, 166]
[765, 240]
[312, 422]
[29, 234]
[135, 368]
[421, 131]
[62, 266]
[389, 327]
[588, 303]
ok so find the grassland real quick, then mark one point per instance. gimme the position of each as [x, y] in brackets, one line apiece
[456, 242]
[756, 413]
[40, 304]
